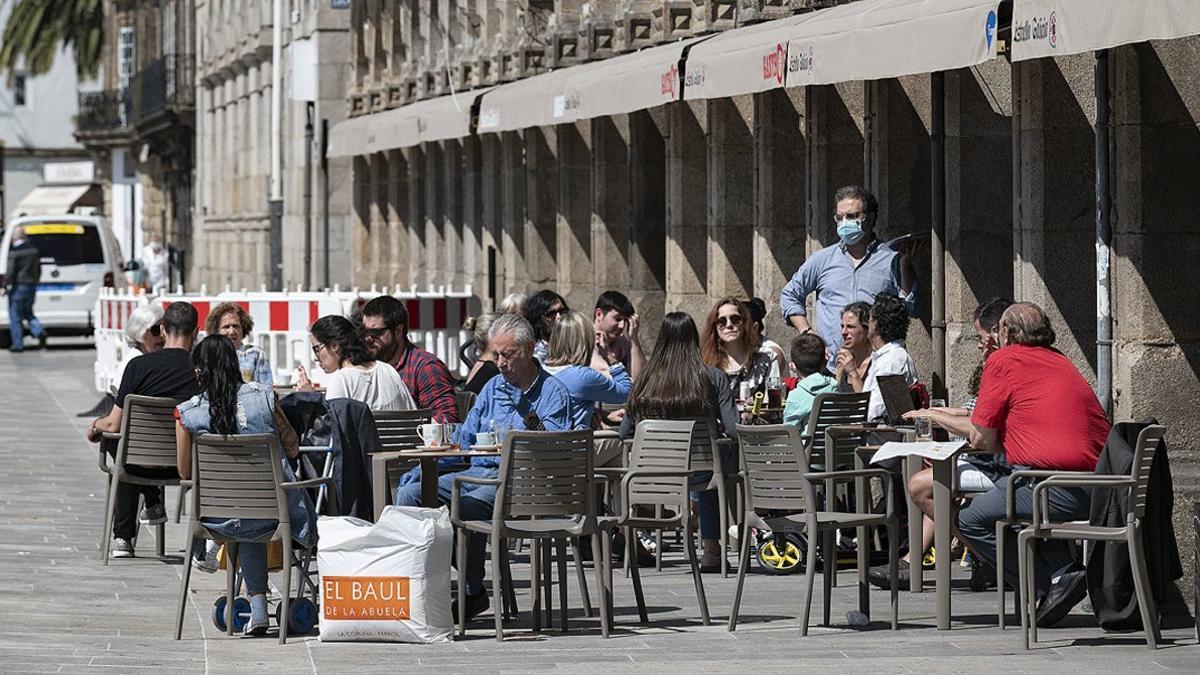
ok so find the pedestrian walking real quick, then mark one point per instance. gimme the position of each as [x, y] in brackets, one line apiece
[23, 274]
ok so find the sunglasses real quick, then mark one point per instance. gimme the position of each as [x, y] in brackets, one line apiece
[556, 312]
[375, 333]
[733, 320]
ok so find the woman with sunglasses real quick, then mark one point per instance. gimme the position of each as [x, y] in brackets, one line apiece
[542, 311]
[143, 335]
[731, 344]
[352, 373]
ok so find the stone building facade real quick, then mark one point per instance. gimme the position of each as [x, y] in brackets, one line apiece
[685, 203]
[234, 80]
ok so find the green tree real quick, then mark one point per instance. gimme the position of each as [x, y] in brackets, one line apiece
[36, 28]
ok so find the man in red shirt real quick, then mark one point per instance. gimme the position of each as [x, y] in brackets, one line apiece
[385, 330]
[1034, 404]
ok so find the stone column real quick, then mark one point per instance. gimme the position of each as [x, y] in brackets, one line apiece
[573, 242]
[512, 206]
[978, 228]
[647, 173]
[399, 214]
[1054, 253]
[492, 230]
[474, 256]
[432, 267]
[731, 184]
[414, 265]
[452, 231]
[687, 208]
[834, 131]
[362, 221]
[610, 268]
[780, 153]
[541, 208]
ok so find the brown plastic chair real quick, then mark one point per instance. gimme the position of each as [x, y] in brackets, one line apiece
[397, 433]
[147, 440]
[775, 467]
[704, 457]
[240, 476]
[1041, 527]
[656, 479]
[545, 492]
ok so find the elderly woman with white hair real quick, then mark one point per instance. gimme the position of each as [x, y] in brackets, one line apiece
[143, 335]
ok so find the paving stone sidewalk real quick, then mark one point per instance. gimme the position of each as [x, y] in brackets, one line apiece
[65, 612]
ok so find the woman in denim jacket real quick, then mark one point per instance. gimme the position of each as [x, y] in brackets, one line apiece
[227, 405]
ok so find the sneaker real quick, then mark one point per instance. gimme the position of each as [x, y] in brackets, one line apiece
[647, 541]
[1065, 592]
[983, 576]
[42, 340]
[153, 515]
[121, 548]
[929, 561]
[476, 604]
[208, 564]
[882, 579]
[710, 562]
[259, 618]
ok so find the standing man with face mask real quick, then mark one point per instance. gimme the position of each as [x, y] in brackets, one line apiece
[856, 268]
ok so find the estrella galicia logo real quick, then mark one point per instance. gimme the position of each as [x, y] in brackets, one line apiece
[1053, 31]
[800, 60]
[774, 63]
[989, 28]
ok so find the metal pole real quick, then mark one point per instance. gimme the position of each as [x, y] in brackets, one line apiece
[308, 193]
[275, 198]
[325, 196]
[937, 212]
[1103, 239]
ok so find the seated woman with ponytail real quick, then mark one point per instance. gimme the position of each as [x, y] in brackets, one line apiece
[227, 405]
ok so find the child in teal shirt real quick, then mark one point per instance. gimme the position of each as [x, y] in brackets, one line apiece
[808, 363]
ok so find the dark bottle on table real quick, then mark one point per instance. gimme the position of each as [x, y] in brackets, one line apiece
[533, 422]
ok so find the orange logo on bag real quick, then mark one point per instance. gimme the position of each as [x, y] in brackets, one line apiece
[365, 598]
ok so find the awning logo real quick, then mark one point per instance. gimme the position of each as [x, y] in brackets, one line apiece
[773, 64]
[989, 28]
[1053, 30]
[670, 81]
[1038, 28]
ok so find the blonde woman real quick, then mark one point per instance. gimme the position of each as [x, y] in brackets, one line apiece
[485, 362]
[572, 345]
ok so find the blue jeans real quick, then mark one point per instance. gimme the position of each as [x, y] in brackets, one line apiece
[706, 501]
[252, 536]
[20, 309]
[475, 503]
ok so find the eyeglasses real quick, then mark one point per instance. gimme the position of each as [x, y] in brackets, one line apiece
[734, 320]
[555, 313]
[854, 215]
[375, 333]
[317, 348]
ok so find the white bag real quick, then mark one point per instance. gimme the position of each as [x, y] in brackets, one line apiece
[388, 581]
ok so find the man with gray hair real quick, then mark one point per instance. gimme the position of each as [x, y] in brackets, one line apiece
[520, 397]
[855, 269]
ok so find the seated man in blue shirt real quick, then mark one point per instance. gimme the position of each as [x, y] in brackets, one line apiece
[522, 388]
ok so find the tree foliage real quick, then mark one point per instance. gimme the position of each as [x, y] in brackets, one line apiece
[37, 28]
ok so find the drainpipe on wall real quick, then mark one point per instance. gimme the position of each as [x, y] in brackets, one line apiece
[1103, 240]
[308, 194]
[937, 212]
[275, 198]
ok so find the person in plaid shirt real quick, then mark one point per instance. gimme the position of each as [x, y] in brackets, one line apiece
[385, 330]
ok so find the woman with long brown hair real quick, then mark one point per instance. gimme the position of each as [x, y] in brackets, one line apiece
[731, 342]
[676, 384]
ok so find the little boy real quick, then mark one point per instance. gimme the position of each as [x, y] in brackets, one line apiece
[808, 364]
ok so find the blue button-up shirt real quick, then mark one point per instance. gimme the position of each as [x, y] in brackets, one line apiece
[832, 274]
[504, 403]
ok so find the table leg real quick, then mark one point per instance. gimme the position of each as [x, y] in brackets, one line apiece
[429, 482]
[943, 477]
[916, 584]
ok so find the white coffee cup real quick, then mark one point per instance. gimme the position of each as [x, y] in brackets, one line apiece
[485, 438]
[284, 378]
[431, 434]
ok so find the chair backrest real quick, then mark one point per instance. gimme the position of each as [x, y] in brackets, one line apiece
[662, 445]
[832, 410]
[1143, 459]
[238, 476]
[398, 428]
[464, 399]
[148, 432]
[774, 460]
[704, 440]
[546, 474]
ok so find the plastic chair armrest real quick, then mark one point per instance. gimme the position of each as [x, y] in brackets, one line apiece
[455, 487]
[1010, 513]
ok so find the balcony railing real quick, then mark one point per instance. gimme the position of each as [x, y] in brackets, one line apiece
[165, 84]
[103, 110]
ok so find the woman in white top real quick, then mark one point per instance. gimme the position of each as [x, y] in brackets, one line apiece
[351, 372]
[887, 329]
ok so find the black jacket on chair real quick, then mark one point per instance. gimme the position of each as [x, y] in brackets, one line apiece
[1110, 577]
[352, 432]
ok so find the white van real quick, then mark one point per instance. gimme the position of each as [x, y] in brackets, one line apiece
[80, 254]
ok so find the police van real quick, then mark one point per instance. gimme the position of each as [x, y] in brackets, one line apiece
[80, 255]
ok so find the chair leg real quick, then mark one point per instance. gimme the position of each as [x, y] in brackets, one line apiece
[561, 553]
[864, 586]
[183, 588]
[1031, 594]
[723, 503]
[498, 550]
[179, 499]
[535, 586]
[461, 546]
[160, 541]
[582, 577]
[1001, 526]
[106, 532]
[743, 563]
[637, 577]
[1023, 582]
[658, 545]
[829, 553]
[231, 560]
[548, 578]
[810, 574]
[1141, 584]
[698, 581]
[603, 578]
[109, 514]
[286, 600]
[894, 569]
[510, 592]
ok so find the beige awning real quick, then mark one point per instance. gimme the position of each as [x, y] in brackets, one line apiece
[877, 39]
[535, 101]
[629, 82]
[448, 116]
[1042, 28]
[741, 61]
[57, 200]
[348, 138]
[391, 129]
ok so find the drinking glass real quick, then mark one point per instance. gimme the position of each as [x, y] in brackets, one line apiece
[451, 432]
[774, 392]
[924, 426]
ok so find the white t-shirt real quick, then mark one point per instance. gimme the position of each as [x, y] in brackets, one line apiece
[890, 359]
[379, 386]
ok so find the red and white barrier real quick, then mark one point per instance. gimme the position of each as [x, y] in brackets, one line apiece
[282, 321]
